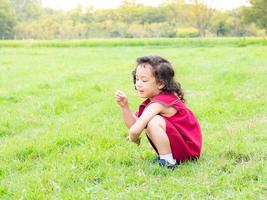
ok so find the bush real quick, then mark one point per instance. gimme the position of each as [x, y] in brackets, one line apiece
[187, 32]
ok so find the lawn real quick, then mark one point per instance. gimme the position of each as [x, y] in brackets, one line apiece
[62, 135]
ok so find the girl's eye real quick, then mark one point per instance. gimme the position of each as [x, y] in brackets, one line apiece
[144, 81]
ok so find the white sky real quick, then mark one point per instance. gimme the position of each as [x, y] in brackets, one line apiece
[99, 4]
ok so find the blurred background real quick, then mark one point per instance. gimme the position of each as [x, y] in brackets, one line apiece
[47, 19]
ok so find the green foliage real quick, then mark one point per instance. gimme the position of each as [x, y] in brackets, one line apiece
[222, 24]
[257, 13]
[27, 19]
[7, 20]
[202, 16]
[187, 32]
[26, 10]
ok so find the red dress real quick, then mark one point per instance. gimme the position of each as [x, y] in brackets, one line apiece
[182, 128]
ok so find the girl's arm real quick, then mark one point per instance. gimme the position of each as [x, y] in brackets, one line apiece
[128, 117]
[137, 128]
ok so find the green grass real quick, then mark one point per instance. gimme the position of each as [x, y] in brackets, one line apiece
[62, 136]
[169, 42]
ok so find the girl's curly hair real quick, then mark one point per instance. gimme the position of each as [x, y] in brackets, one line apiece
[163, 72]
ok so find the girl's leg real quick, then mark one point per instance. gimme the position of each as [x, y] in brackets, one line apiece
[156, 131]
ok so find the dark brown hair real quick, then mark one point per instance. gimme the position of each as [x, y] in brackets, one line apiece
[163, 72]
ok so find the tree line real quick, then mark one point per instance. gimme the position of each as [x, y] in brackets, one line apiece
[28, 19]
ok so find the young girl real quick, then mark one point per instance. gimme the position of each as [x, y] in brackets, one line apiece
[171, 128]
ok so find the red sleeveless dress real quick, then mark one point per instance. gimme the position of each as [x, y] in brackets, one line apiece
[182, 128]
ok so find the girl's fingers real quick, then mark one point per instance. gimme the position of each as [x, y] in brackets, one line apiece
[120, 96]
[119, 93]
[118, 99]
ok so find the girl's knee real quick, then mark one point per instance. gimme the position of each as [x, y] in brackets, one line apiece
[155, 122]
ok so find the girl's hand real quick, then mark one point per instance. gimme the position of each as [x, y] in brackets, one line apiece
[138, 141]
[121, 99]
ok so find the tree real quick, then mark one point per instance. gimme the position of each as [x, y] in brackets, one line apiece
[75, 15]
[221, 24]
[130, 12]
[257, 13]
[7, 21]
[238, 27]
[202, 16]
[177, 12]
[26, 10]
[151, 15]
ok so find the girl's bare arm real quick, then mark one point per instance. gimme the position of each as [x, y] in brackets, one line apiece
[128, 117]
[137, 128]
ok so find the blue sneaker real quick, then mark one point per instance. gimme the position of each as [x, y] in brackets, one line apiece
[165, 163]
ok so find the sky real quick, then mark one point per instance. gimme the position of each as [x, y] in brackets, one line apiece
[101, 4]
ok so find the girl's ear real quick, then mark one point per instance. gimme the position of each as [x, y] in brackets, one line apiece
[161, 85]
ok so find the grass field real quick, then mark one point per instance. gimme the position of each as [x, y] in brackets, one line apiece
[62, 136]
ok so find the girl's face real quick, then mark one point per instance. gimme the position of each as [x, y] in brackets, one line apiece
[146, 84]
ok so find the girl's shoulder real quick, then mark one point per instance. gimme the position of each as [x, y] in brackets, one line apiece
[168, 99]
